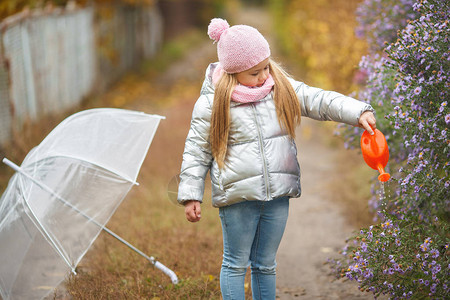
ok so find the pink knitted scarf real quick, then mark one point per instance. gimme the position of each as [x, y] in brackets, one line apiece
[246, 94]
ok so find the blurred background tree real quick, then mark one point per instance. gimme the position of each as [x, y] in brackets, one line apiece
[177, 14]
[319, 38]
[10, 7]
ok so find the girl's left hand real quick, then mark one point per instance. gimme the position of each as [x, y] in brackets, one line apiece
[192, 210]
[368, 122]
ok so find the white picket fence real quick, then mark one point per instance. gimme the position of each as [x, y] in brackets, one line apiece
[51, 60]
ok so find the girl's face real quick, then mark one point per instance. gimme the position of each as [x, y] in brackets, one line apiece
[255, 76]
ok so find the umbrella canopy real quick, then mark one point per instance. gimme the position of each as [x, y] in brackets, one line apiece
[66, 190]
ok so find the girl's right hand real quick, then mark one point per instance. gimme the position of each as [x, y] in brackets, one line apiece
[368, 122]
[192, 210]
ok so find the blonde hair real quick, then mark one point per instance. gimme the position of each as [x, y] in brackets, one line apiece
[286, 104]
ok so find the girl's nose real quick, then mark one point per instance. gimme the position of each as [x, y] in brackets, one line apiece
[263, 76]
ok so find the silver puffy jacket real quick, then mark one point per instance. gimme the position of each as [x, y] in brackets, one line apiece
[261, 161]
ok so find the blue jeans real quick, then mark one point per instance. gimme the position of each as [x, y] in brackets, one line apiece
[252, 232]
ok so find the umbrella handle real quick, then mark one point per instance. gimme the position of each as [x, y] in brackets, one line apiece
[167, 271]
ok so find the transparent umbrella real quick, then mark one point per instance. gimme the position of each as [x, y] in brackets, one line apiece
[64, 193]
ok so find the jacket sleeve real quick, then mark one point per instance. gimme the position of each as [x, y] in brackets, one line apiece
[197, 157]
[324, 105]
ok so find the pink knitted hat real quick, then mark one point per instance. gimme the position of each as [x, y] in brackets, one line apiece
[239, 47]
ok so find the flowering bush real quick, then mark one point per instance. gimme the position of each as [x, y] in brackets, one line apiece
[407, 255]
[401, 258]
[421, 115]
[380, 20]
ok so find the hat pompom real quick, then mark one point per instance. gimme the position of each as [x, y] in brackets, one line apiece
[216, 28]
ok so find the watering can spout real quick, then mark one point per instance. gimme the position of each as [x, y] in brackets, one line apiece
[383, 177]
[375, 152]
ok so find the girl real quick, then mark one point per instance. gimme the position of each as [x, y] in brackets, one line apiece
[242, 131]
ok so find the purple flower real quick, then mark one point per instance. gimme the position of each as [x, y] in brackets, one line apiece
[434, 253]
[447, 119]
[417, 90]
[443, 105]
[436, 269]
[368, 273]
[425, 246]
[363, 246]
[387, 224]
[349, 275]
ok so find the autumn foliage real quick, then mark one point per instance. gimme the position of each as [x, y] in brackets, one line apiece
[319, 37]
[11, 7]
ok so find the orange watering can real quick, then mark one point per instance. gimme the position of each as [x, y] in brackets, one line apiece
[375, 152]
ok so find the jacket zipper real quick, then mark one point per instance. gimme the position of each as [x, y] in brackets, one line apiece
[261, 146]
